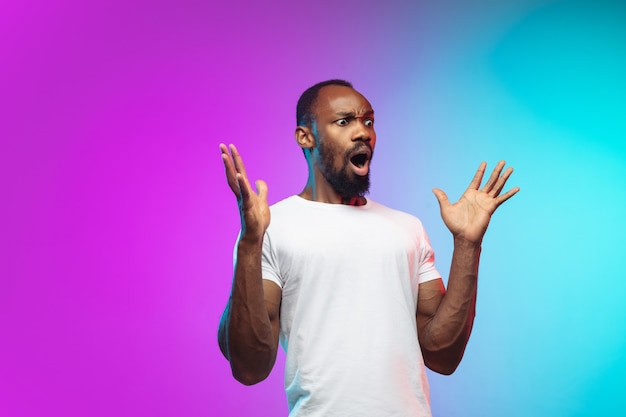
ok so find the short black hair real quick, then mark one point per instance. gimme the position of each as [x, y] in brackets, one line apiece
[304, 108]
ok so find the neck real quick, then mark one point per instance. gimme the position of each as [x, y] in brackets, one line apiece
[354, 201]
[328, 195]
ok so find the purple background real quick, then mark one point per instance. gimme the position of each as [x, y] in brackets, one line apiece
[117, 224]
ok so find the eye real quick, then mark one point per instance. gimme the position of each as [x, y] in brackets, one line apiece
[343, 122]
[368, 122]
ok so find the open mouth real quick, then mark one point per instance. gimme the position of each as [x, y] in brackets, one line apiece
[359, 160]
[360, 157]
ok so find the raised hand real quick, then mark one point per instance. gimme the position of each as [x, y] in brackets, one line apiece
[469, 217]
[253, 207]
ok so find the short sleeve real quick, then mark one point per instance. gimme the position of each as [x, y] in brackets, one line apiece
[427, 269]
[269, 261]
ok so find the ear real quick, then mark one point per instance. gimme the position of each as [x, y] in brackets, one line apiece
[304, 137]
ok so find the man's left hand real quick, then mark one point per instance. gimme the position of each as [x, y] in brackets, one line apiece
[469, 217]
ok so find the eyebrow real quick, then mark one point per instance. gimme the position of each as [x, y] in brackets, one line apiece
[369, 112]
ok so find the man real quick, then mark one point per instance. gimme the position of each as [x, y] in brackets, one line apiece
[348, 286]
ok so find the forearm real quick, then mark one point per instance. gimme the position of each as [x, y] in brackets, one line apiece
[448, 332]
[246, 335]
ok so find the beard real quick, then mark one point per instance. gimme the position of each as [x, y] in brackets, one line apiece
[347, 184]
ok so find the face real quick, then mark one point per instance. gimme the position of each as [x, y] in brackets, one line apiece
[345, 136]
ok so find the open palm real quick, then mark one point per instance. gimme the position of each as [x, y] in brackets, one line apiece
[469, 217]
[253, 207]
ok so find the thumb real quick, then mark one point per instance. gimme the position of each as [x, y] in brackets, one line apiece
[261, 187]
[442, 198]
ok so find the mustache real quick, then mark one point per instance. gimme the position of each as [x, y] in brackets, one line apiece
[357, 147]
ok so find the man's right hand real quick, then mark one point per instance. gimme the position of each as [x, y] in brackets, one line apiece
[253, 207]
[249, 329]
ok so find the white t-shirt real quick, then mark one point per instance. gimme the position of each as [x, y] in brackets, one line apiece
[349, 277]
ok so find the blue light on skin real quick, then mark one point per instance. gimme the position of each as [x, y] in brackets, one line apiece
[308, 154]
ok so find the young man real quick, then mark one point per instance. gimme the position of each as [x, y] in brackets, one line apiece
[348, 286]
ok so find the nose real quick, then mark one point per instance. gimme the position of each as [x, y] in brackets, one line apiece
[362, 131]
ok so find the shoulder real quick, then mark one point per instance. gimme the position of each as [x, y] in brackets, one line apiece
[286, 205]
[286, 212]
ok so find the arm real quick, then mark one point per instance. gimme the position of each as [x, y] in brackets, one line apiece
[445, 318]
[248, 331]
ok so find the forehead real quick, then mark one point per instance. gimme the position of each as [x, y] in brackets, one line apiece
[334, 99]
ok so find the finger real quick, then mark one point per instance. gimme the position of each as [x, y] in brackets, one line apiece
[501, 182]
[493, 178]
[231, 173]
[442, 198]
[261, 187]
[245, 188]
[478, 177]
[239, 166]
[504, 197]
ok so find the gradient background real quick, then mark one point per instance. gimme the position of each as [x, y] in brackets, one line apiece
[118, 226]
